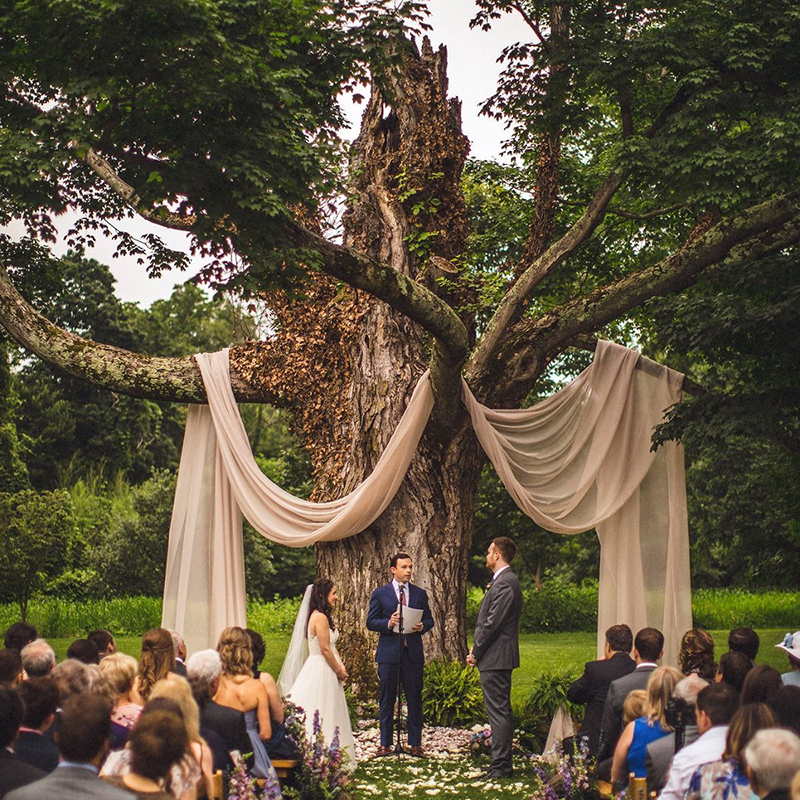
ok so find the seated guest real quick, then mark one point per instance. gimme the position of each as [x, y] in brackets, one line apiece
[14, 772]
[719, 780]
[157, 744]
[84, 651]
[179, 646]
[177, 689]
[204, 669]
[633, 707]
[10, 668]
[18, 635]
[629, 755]
[278, 745]
[73, 678]
[648, 647]
[38, 658]
[660, 752]
[82, 741]
[773, 760]
[733, 669]
[716, 705]
[791, 645]
[40, 699]
[696, 656]
[744, 641]
[761, 685]
[238, 689]
[104, 641]
[592, 687]
[786, 705]
[119, 670]
[156, 663]
[185, 776]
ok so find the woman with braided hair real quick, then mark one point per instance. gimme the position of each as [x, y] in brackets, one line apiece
[155, 664]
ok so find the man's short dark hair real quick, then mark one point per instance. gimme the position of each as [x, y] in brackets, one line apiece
[40, 698]
[505, 547]
[733, 667]
[101, 638]
[620, 638]
[11, 710]
[84, 651]
[18, 635]
[396, 557]
[10, 666]
[719, 701]
[84, 727]
[649, 644]
[744, 640]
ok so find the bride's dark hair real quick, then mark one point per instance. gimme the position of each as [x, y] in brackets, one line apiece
[320, 590]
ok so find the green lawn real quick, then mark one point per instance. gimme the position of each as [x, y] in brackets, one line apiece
[539, 652]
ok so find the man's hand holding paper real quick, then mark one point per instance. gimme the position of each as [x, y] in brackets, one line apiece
[412, 620]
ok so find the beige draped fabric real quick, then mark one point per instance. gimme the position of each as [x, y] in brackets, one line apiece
[218, 480]
[580, 459]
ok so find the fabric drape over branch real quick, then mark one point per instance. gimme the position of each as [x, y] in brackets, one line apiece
[580, 459]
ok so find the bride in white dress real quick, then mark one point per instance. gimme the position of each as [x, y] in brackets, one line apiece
[313, 675]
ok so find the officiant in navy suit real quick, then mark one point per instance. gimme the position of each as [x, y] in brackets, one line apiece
[397, 648]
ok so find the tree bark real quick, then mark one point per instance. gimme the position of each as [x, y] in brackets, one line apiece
[410, 151]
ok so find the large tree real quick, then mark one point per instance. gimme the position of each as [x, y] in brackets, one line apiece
[653, 144]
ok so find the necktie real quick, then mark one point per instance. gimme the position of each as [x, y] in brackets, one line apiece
[402, 595]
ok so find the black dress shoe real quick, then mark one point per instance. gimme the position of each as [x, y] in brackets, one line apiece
[493, 774]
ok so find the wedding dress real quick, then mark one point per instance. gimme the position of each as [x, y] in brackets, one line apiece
[317, 688]
[308, 681]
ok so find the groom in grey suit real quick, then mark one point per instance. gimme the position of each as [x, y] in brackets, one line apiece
[495, 650]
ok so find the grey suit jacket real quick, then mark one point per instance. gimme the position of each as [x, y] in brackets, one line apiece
[69, 783]
[611, 726]
[496, 642]
[659, 757]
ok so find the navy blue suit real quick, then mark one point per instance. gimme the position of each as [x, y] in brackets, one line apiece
[393, 647]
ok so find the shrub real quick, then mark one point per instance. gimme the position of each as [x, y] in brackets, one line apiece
[451, 694]
[277, 616]
[533, 718]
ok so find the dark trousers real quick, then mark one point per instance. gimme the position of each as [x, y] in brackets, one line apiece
[496, 685]
[411, 679]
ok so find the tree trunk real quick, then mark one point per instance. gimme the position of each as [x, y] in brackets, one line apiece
[408, 153]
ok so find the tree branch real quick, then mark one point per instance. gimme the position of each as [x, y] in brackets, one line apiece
[159, 216]
[359, 271]
[751, 234]
[512, 306]
[109, 367]
[532, 24]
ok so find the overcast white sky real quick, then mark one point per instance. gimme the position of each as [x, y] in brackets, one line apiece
[472, 70]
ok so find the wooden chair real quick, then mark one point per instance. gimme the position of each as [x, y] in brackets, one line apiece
[216, 786]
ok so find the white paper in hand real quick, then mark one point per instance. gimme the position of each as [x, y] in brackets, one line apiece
[411, 616]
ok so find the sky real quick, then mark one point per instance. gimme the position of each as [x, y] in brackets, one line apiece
[472, 71]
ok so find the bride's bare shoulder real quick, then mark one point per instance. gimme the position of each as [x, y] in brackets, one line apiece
[318, 621]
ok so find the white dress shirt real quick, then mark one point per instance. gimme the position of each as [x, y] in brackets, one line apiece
[499, 571]
[703, 750]
[396, 586]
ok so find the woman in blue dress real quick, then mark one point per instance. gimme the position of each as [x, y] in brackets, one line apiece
[629, 755]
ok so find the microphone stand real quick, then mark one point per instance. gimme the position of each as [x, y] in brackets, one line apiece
[398, 748]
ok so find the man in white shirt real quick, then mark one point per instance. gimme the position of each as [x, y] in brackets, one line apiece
[716, 705]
